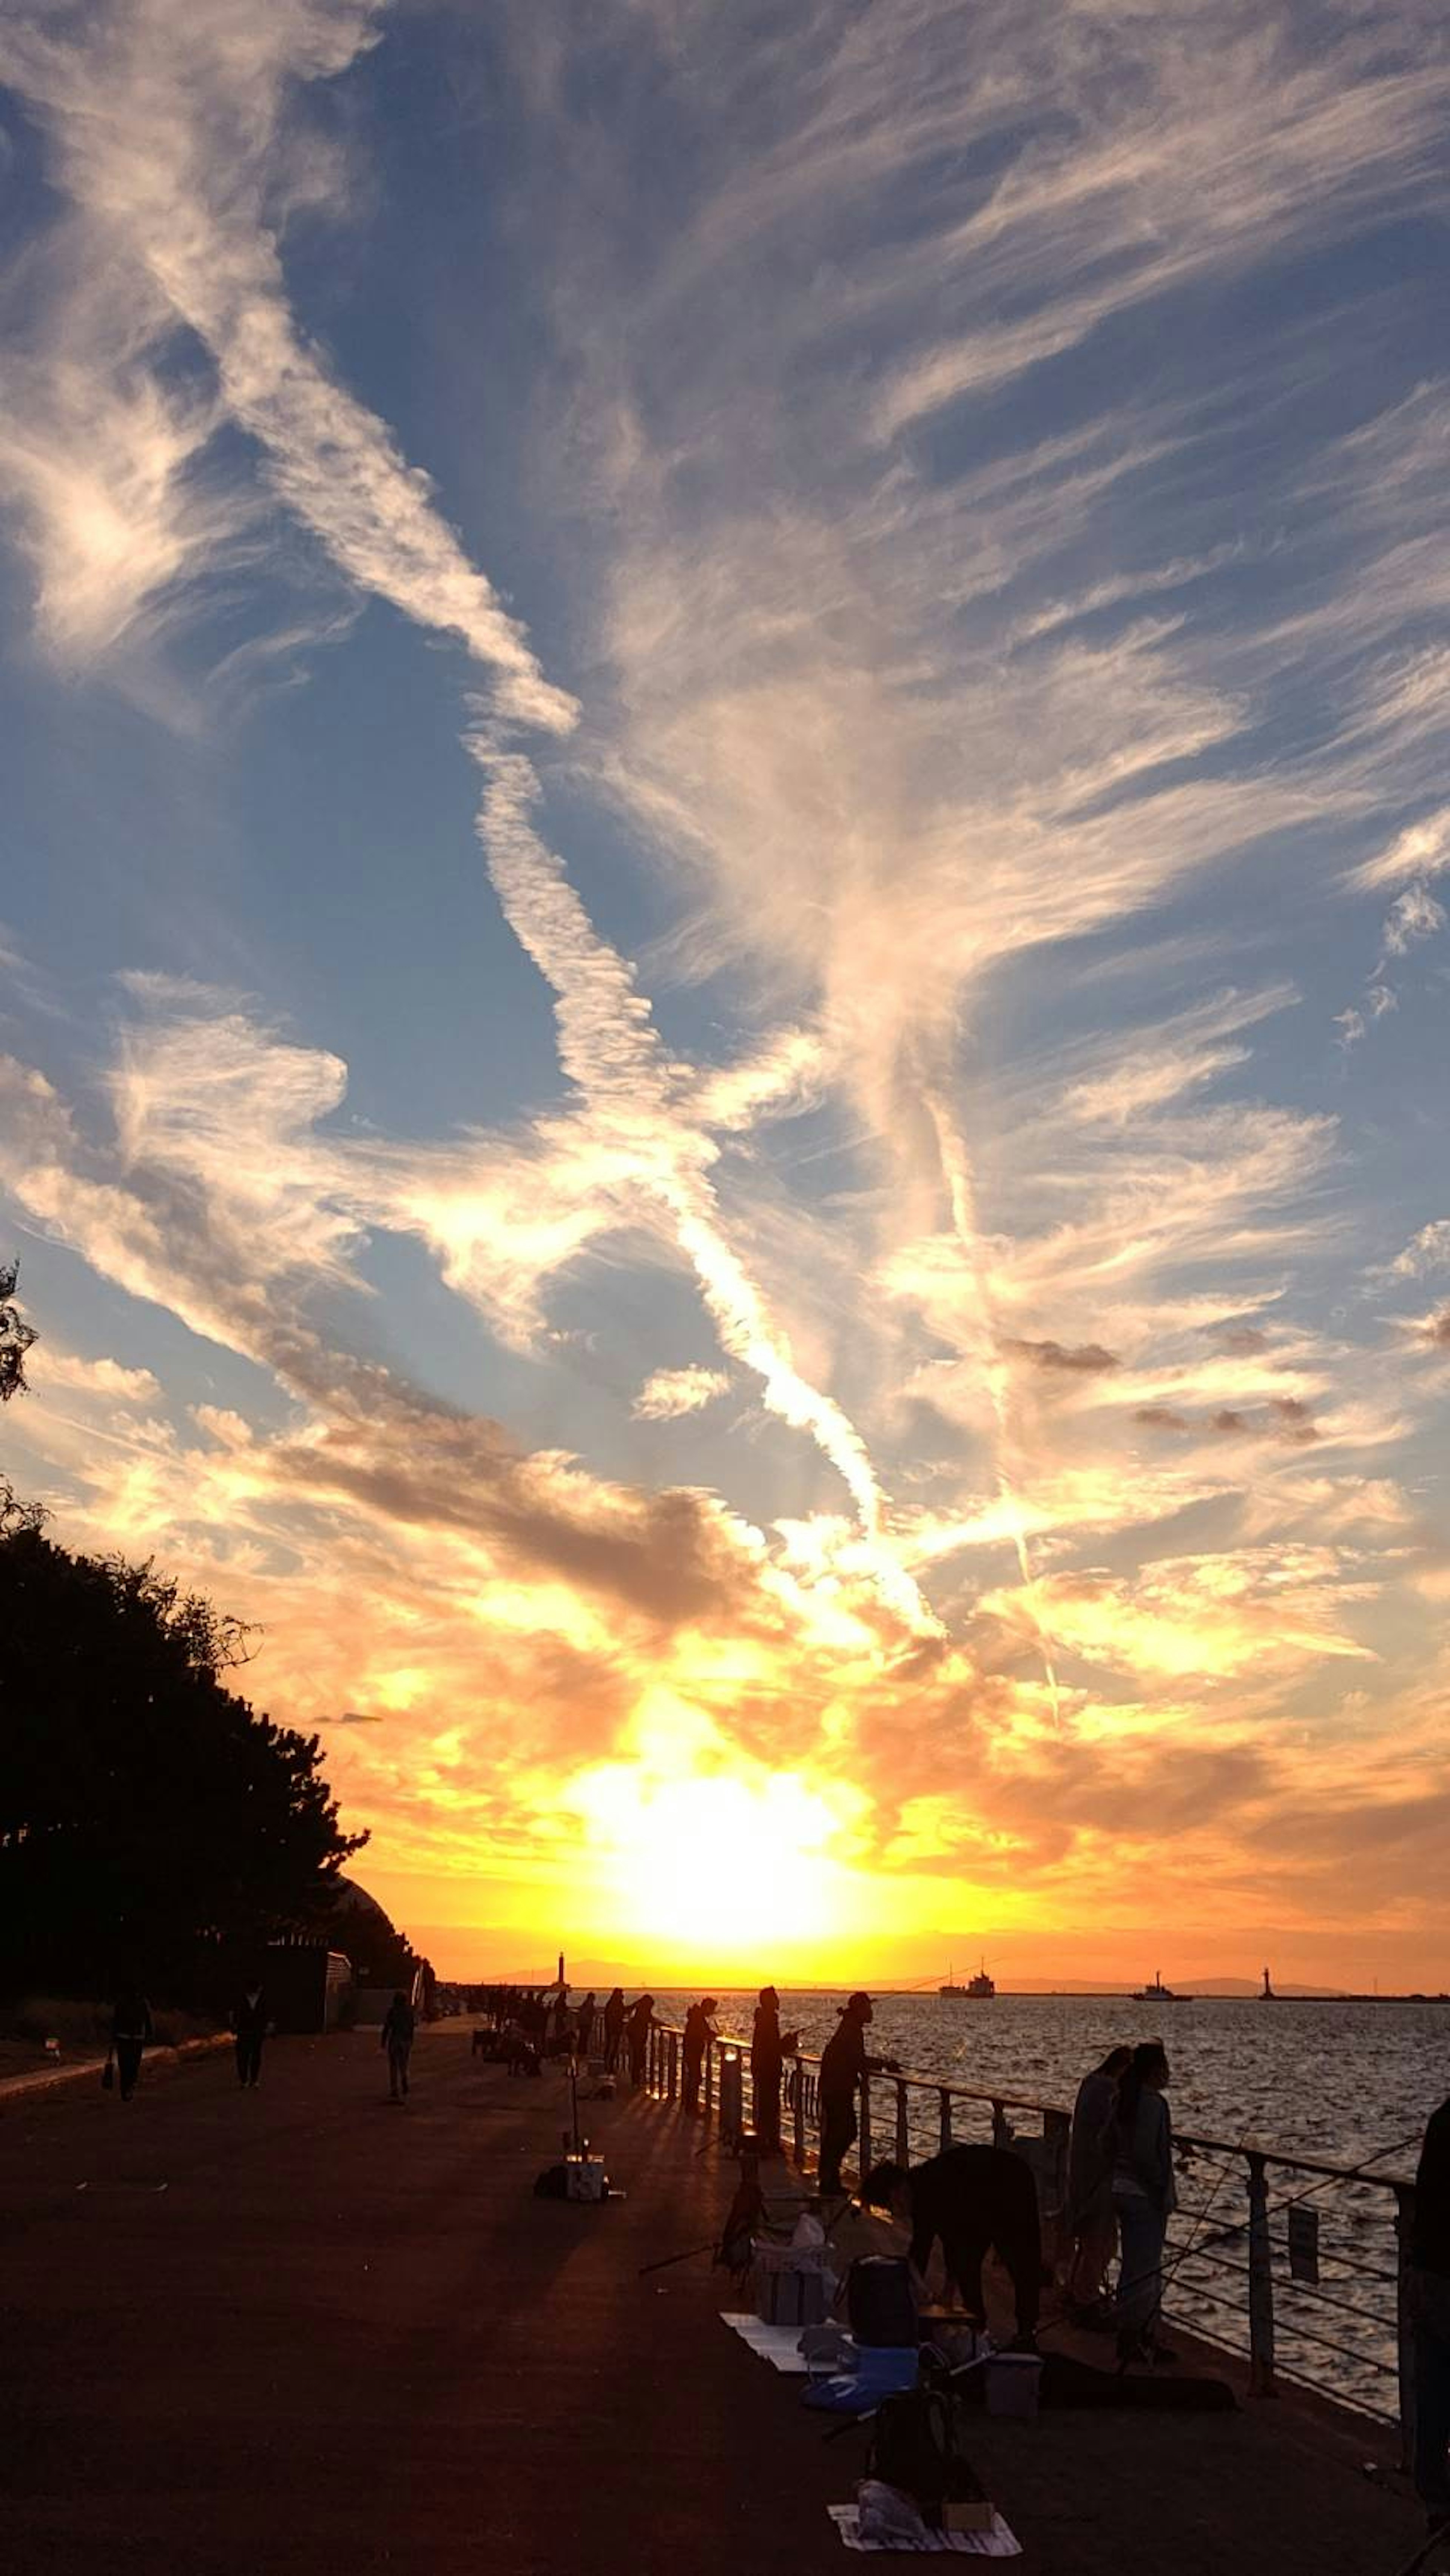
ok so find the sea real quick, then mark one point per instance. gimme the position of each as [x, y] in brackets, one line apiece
[1350, 2082]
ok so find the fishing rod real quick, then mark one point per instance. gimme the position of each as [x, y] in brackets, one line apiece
[1326, 2182]
[688, 2255]
[1436, 2539]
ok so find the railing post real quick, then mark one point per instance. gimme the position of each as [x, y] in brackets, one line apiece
[672, 2067]
[903, 2135]
[1001, 2126]
[709, 2077]
[798, 2111]
[731, 2103]
[1261, 2283]
[1404, 2323]
[944, 2101]
[867, 2158]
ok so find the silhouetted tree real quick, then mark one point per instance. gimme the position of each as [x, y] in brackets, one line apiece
[143, 1805]
[16, 1336]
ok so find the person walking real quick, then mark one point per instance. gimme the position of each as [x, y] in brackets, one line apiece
[638, 2027]
[131, 2034]
[699, 2031]
[1144, 2199]
[397, 2039]
[769, 2049]
[1428, 2300]
[249, 2028]
[972, 2198]
[613, 2030]
[1092, 2226]
[584, 2026]
[844, 2062]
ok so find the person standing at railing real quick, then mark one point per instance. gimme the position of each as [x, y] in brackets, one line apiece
[613, 2029]
[844, 2065]
[1090, 2217]
[1144, 2199]
[769, 2049]
[1429, 2305]
[584, 2026]
[699, 2031]
[637, 2030]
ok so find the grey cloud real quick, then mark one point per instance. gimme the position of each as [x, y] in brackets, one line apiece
[1085, 1359]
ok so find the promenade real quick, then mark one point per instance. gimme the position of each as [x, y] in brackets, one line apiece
[247, 2334]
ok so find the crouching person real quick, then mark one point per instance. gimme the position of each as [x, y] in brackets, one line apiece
[971, 2198]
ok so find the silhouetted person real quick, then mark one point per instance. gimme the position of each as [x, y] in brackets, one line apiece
[1429, 2305]
[613, 2029]
[699, 2031]
[131, 2032]
[1144, 2199]
[637, 2029]
[971, 2198]
[397, 2039]
[843, 2063]
[584, 2027]
[1091, 2222]
[249, 2026]
[769, 2049]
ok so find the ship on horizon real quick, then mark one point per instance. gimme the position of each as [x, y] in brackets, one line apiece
[1158, 1993]
[978, 1989]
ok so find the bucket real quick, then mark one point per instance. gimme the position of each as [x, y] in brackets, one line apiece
[1013, 2380]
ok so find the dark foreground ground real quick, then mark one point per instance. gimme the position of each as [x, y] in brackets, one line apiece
[247, 2334]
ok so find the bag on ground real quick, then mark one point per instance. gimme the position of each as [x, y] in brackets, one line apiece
[880, 2302]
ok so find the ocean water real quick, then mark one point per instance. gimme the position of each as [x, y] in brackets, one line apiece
[1351, 2082]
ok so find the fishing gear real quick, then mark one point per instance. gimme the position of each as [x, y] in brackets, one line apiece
[688, 2255]
[1327, 2182]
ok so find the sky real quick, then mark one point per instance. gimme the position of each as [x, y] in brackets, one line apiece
[723, 948]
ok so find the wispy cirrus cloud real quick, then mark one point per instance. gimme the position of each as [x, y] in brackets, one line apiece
[667, 1394]
[170, 127]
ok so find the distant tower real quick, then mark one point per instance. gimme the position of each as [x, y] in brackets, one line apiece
[1268, 1996]
[561, 1967]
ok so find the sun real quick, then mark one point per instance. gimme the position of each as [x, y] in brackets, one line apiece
[715, 1867]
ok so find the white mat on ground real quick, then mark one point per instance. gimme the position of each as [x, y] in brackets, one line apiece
[776, 2344]
[999, 2542]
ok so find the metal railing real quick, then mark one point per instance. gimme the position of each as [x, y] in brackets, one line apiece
[1233, 2276]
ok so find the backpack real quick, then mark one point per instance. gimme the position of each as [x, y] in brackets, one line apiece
[914, 2445]
[879, 2300]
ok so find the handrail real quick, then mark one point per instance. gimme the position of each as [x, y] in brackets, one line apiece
[1390, 2178]
[1235, 2322]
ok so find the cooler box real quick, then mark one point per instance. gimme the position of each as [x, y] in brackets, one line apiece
[792, 2284]
[585, 2178]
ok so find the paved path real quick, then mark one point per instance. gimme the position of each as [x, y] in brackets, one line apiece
[251, 2334]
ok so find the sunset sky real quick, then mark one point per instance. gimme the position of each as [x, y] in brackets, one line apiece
[723, 947]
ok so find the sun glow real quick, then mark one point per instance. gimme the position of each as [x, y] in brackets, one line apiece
[716, 1866]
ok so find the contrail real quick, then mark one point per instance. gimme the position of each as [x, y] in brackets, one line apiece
[610, 1047]
[194, 222]
[961, 1191]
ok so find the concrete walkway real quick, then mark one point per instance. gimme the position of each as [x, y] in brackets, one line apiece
[250, 2334]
